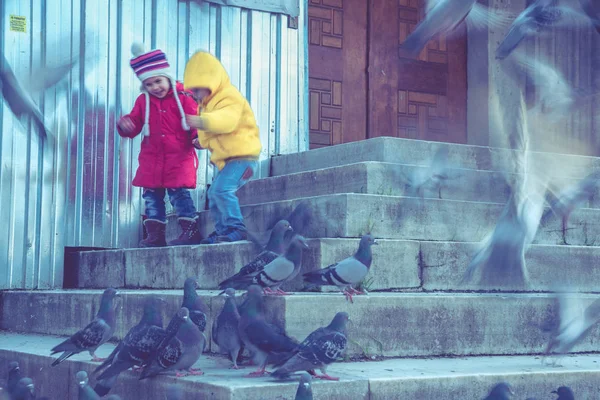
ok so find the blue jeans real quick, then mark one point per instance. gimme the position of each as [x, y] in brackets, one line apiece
[223, 203]
[180, 199]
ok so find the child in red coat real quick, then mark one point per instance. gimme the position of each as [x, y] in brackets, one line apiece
[167, 160]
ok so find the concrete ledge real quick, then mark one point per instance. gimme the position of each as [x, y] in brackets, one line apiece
[418, 152]
[388, 324]
[441, 378]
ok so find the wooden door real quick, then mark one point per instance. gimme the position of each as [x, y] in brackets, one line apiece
[337, 71]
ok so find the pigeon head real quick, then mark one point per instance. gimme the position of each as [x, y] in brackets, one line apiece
[111, 293]
[364, 254]
[25, 385]
[82, 378]
[564, 393]
[295, 248]
[304, 391]
[367, 241]
[339, 321]
[13, 366]
[183, 313]
[254, 304]
[501, 391]
[278, 233]
[229, 292]
[191, 284]
[107, 301]
[153, 307]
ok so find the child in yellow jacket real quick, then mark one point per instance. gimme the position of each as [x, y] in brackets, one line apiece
[227, 128]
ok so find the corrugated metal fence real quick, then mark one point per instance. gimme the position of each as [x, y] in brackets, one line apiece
[74, 189]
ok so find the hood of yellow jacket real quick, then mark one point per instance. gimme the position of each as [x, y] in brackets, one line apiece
[203, 70]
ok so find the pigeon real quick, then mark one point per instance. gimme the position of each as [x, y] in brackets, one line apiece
[14, 376]
[304, 391]
[570, 198]
[432, 176]
[261, 338]
[501, 391]
[592, 12]
[19, 100]
[95, 334]
[443, 17]
[85, 390]
[273, 249]
[174, 393]
[301, 219]
[564, 393]
[574, 325]
[225, 328]
[136, 346]
[178, 352]
[194, 304]
[348, 272]
[279, 271]
[321, 348]
[25, 390]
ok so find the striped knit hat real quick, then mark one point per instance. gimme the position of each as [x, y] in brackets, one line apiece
[148, 65]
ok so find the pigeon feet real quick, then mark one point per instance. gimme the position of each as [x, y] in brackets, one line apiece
[235, 366]
[348, 296]
[257, 373]
[195, 372]
[268, 290]
[181, 374]
[98, 359]
[280, 292]
[326, 377]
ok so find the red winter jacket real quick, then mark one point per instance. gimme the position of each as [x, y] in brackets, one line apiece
[167, 157]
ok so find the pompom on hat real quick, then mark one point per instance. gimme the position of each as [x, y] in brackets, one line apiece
[148, 65]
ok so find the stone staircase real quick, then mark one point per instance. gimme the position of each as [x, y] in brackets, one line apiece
[417, 335]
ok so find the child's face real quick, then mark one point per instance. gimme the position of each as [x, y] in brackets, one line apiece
[157, 86]
[200, 93]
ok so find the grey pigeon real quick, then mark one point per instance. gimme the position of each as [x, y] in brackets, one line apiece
[564, 393]
[304, 391]
[95, 334]
[443, 17]
[85, 390]
[500, 391]
[348, 272]
[180, 352]
[136, 346]
[225, 328]
[575, 324]
[174, 392]
[14, 376]
[19, 100]
[194, 304]
[592, 12]
[321, 348]
[25, 390]
[300, 219]
[279, 271]
[432, 176]
[264, 340]
[274, 248]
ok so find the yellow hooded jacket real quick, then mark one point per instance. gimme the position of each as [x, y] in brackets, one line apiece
[230, 127]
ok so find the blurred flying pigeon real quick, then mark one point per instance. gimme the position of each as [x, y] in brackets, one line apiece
[14, 376]
[321, 348]
[136, 346]
[300, 219]
[575, 324]
[274, 248]
[180, 352]
[25, 390]
[564, 393]
[592, 12]
[174, 393]
[194, 304]
[444, 16]
[19, 100]
[279, 271]
[85, 390]
[348, 272]
[432, 176]
[95, 334]
[225, 328]
[304, 391]
[571, 198]
[501, 391]
[261, 338]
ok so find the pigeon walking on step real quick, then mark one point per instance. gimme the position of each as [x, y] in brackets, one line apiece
[136, 346]
[85, 390]
[304, 391]
[94, 335]
[501, 391]
[14, 376]
[25, 390]
[321, 348]
[279, 271]
[348, 272]
[274, 248]
[194, 303]
[564, 393]
[261, 338]
[225, 328]
[575, 323]
[180, 352]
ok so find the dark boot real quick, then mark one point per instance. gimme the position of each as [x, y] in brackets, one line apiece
[155, 233]
[189, 233]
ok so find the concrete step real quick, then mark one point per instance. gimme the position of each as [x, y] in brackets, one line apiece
[439, 378]
[419, 152]
[384, 324]
[398, 265]
[394, 217]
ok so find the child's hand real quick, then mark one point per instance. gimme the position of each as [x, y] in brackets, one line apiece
[196, 144]
[195, 121]
[126, 124]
